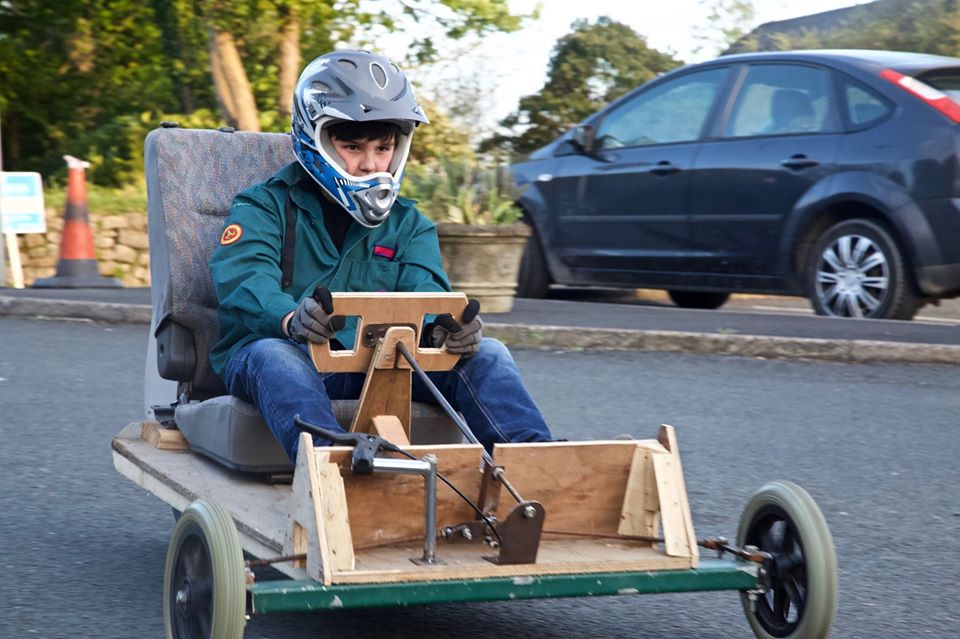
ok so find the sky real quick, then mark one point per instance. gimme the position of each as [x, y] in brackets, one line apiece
[513, 65]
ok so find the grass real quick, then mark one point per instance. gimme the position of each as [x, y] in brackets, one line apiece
[102, 200]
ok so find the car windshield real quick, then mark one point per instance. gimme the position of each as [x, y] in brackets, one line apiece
[947, 81]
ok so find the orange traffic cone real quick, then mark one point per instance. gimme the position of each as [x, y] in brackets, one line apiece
[77, 266]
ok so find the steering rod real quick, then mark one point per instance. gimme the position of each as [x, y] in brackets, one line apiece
[498, 472]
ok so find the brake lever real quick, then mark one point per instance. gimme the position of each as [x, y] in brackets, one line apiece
[365, 446]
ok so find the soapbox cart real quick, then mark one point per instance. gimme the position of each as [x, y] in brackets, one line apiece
[408, 508]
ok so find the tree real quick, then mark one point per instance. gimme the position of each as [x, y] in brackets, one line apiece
[255, 50]
[925, 26]
[728, 22]
[280, 23]
[90, 77]
[71, 66]
[589, 67]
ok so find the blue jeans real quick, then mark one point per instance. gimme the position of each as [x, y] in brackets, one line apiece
[278, 377]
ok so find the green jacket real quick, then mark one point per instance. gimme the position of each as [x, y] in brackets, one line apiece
[402, 254]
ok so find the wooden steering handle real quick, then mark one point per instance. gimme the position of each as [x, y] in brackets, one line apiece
[393, 309]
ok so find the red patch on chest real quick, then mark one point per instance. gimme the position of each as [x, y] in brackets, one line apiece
[384, 251]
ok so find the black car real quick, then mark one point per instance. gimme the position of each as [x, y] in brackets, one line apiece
[829, 174]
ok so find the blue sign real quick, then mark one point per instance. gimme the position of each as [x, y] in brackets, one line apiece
[21, 203]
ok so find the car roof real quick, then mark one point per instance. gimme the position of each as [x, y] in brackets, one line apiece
[903, 61]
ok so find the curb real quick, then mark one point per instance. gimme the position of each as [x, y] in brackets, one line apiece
[762, 346]
[69, 309]
[573, 338]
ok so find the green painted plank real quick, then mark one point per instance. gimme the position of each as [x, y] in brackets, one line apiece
[289, 595]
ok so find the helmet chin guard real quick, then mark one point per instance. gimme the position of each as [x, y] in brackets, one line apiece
[356, 86]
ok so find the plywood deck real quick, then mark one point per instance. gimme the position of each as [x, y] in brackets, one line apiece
[465, 561]
[261, 511]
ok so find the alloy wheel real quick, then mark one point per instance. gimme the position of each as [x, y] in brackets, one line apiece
[853, 277]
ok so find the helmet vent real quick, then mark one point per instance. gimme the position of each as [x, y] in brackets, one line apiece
[320, 87]
[347, 64]
[379, 75]
[365, 108]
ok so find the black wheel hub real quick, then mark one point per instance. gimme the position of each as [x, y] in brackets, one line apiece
[780, 608]
[183, 598]
[191, 589]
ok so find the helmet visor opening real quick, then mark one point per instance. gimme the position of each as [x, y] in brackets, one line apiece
[348, 130]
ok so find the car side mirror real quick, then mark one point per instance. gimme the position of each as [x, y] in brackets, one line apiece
[583, 137]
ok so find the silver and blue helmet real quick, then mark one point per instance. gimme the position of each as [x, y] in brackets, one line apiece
[356, 86]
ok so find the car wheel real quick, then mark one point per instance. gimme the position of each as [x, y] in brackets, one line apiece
[698, 299]
[534, 279]
[857, 270]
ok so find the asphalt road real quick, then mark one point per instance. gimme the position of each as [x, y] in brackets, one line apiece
[628, 309]
[83, 549]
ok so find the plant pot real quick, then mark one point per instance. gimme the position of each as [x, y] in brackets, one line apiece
[483, 261]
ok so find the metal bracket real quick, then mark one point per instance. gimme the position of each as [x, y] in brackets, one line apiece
[520, 534]
[489, 490]
[374, 332]
[469, 532]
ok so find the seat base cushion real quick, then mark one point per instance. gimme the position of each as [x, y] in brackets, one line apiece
[232, 432]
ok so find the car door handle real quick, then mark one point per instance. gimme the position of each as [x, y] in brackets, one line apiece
[664, 168]
[799, 161]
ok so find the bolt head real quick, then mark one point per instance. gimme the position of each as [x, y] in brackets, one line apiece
[529, 512]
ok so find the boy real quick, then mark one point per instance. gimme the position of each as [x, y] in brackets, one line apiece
[354, 114]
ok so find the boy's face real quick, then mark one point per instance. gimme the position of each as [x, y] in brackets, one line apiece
[362, 157]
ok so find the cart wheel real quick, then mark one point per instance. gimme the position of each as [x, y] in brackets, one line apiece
[782, 519]
[204, 582]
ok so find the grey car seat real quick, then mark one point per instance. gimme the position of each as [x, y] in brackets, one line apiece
[792, 111]
[192, 177]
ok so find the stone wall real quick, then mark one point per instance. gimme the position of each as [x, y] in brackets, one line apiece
[120, 244]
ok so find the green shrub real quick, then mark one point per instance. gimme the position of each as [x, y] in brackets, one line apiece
[103, 200]
[448, 191]
[115, 151]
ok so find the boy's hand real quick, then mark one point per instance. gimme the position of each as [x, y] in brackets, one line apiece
[463, 339]
[313, 321]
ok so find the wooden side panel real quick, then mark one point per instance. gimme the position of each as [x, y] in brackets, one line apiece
[307, 512]
[298, 544]
[651, 508]
[636, 517]
[580, 484]
[671, 512]
[336, 518]
[388, 507]
[668, 437]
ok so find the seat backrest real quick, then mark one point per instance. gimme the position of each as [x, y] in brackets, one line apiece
[192, 177]
[791, 110]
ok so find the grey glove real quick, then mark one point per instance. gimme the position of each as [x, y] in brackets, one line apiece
[313, 320]
[462, 339]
